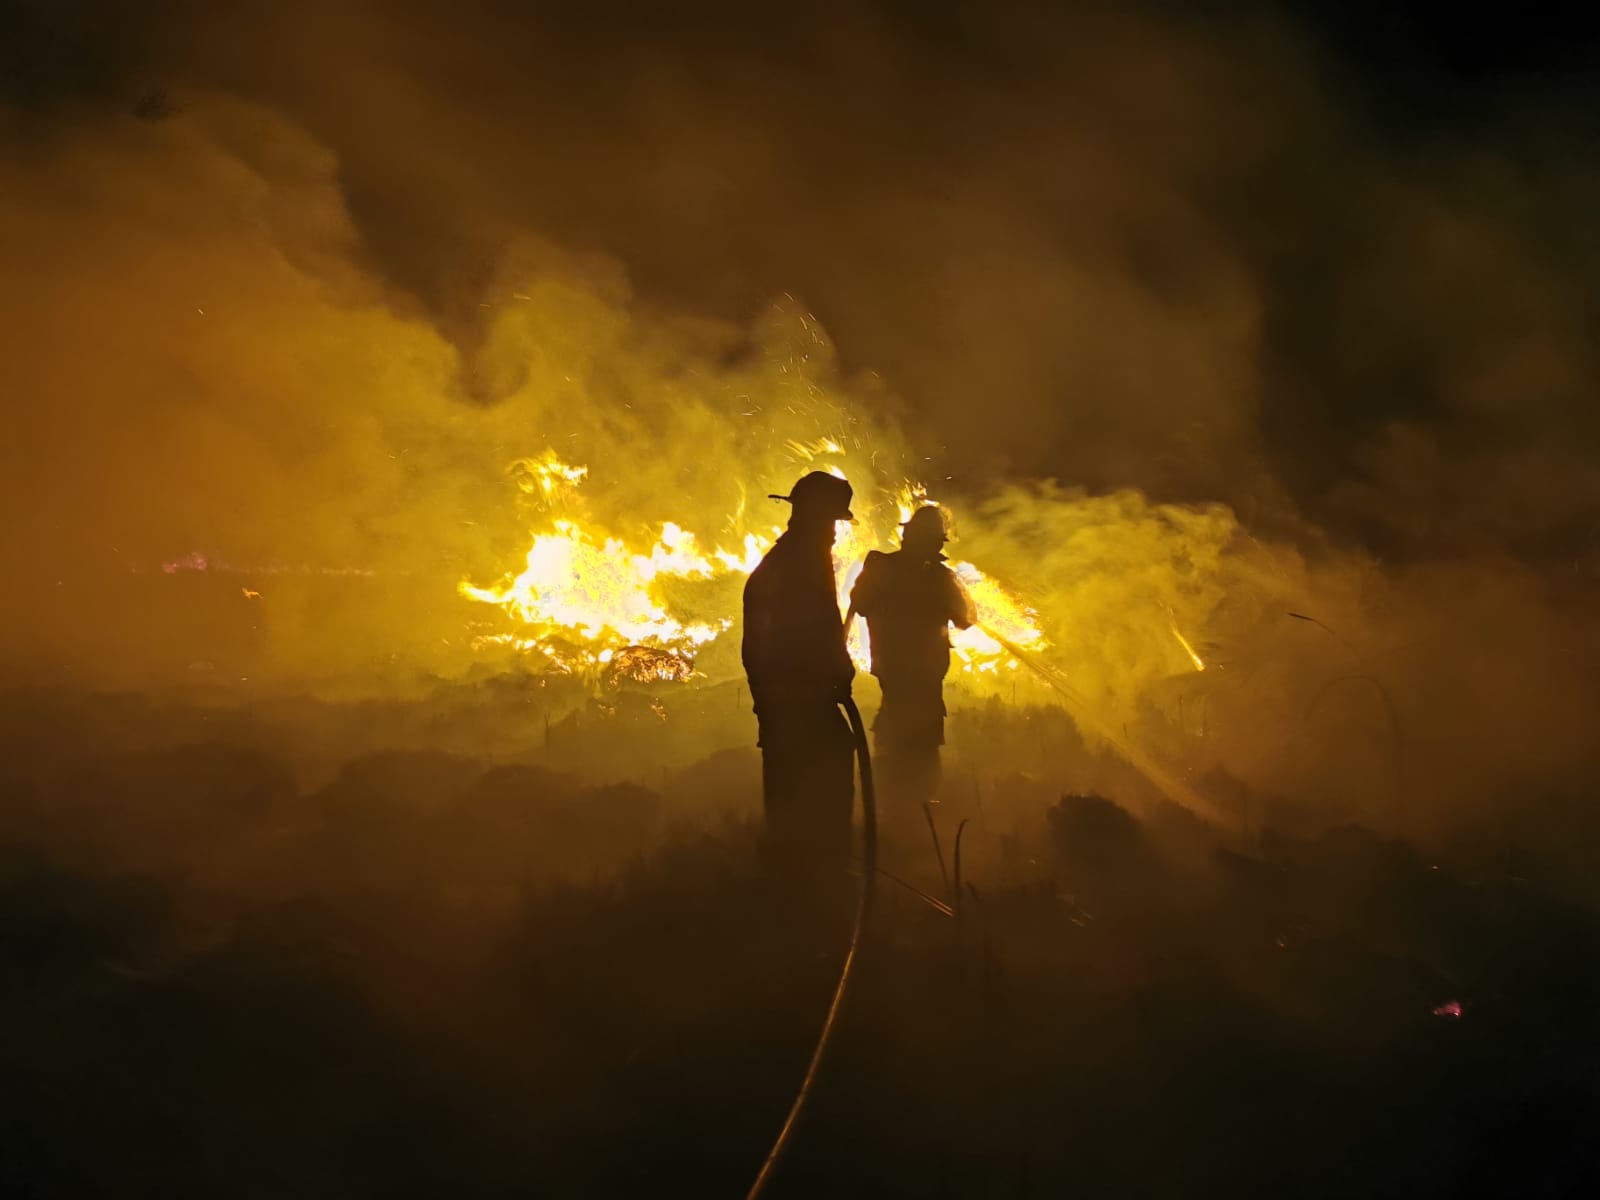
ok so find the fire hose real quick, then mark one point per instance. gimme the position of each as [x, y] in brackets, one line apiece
[869, 871]
[1174, 788]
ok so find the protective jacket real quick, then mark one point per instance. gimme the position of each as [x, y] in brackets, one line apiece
[794, 650]
[909, 602]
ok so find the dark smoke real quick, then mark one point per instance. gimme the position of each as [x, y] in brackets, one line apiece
[1273, 332]
[1117, 248]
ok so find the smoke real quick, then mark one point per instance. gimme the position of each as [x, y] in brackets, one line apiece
[208, 367]
[1191, 340]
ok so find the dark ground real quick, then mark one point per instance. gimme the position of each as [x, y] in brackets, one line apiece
[429, 978]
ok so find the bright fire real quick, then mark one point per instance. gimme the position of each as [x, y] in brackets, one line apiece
[591, 601]
[588, 598]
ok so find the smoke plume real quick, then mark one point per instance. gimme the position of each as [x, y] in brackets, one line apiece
[1216, 367]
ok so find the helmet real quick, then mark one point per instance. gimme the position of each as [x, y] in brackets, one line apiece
[927, 525]
[821, 494]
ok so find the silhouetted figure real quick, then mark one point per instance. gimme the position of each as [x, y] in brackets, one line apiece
[909, 600]
[799, 670]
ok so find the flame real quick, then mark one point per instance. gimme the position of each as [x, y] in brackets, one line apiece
[599, 596]
[591, 602]
[546, 475]
[911, 497]
[975, 648]
[754, 549]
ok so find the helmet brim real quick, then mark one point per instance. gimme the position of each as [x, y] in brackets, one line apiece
[847, 515]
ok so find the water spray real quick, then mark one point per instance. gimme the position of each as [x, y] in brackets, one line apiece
[1170, 785]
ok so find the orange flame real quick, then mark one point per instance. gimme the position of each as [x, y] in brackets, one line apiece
[591, 601]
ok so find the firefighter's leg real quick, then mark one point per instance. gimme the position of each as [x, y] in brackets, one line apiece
[808, 782]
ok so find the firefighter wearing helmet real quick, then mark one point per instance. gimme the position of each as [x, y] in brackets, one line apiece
[910, 599]
[798, 668]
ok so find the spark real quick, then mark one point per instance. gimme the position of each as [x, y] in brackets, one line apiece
[809, 451]
[1199, 664]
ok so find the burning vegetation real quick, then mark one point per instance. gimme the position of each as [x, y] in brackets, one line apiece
[325, 505]
[588, 602]
[381, 817]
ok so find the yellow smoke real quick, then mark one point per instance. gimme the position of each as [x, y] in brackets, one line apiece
[255, 396]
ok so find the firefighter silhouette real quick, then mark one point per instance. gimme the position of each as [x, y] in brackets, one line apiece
[798, 668]
[909, 600]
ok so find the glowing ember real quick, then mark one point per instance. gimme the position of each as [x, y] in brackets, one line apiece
[194, 561]
[645, 664]
[199, 561]
[1452, 1009]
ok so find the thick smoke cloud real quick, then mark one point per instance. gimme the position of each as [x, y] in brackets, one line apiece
[1261, 345]
[1116, 248]
[292, 285]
